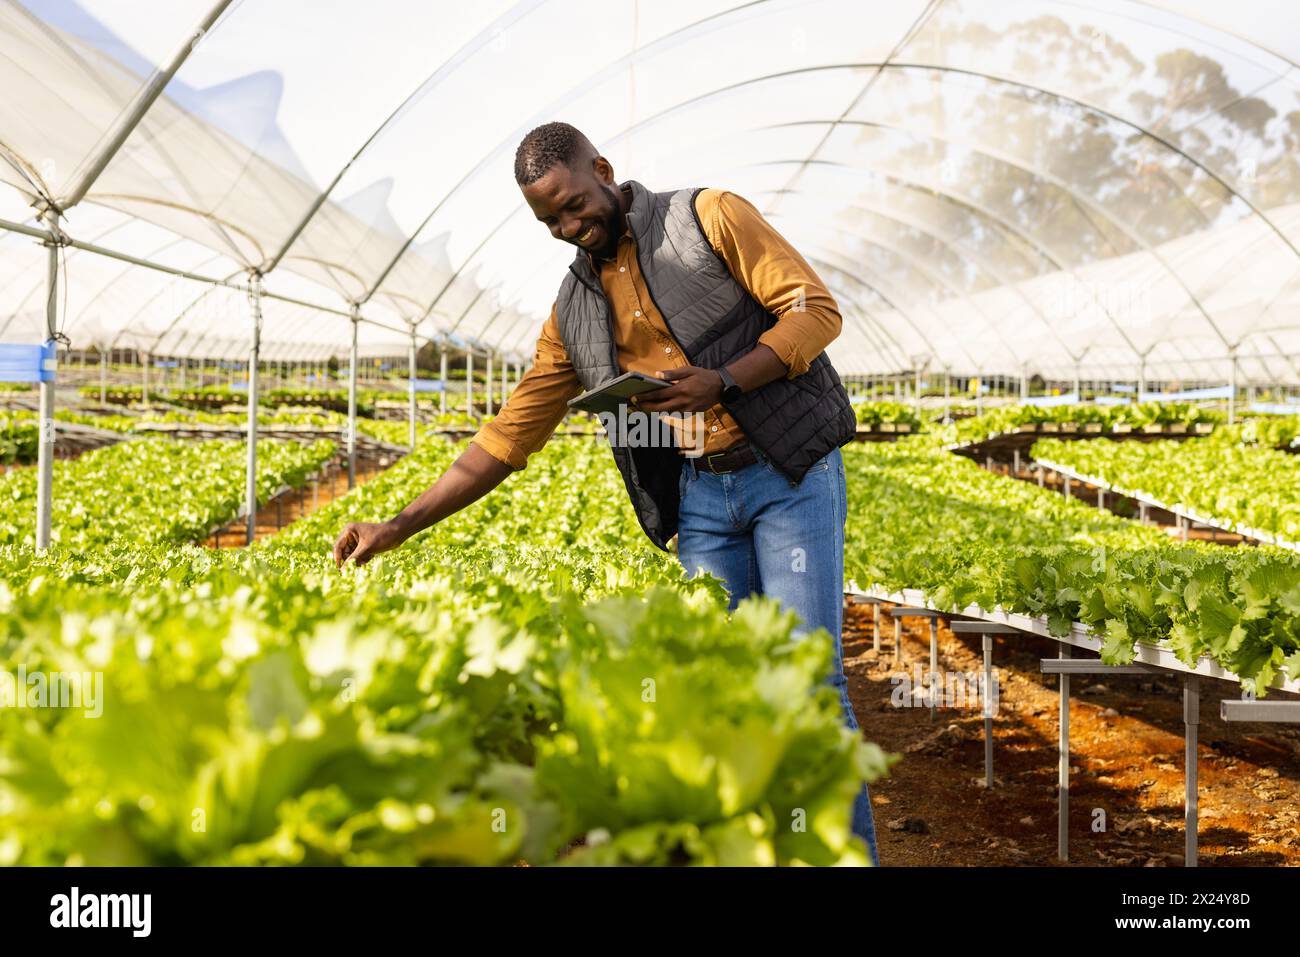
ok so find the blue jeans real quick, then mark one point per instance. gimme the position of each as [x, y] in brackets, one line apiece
[760, 533]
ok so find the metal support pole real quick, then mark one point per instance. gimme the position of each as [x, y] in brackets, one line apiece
[45, 451]
[489, 383]
[1101, 498]
[1024, 383]
[934, 664]
[1232, 390]
[898, 641]
[875, 627]
[103, 376]
[979, 392]
[1015, 461]
[947, 395]
[988, 711]
[352, 399]
[505, 381]
[1191, 718]
[916, 399]
[1042, 477]
[1067, 485]
[144, 380]
[1063, 767]
[442, 367]
[250, 497]
[469, 382]
[411, 385]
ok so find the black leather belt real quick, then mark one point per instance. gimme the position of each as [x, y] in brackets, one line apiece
[728, 460]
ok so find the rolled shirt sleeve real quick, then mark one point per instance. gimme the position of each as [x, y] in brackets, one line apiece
[764, 262]
[537, 405]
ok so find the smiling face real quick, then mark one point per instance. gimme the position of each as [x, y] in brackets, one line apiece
[580, 204]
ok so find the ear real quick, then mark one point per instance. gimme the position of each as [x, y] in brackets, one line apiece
[603, 170]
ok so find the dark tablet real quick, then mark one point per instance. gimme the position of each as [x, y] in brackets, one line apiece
[616, 392]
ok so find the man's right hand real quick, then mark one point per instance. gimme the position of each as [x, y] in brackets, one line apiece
[361, 541]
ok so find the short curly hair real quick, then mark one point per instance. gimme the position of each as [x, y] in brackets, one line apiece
[544, 147]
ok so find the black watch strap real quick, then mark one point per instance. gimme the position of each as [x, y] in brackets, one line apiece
[730, 390]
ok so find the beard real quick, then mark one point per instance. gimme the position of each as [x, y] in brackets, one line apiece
[611, 223]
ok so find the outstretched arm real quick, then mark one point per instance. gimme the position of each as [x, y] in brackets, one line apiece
[538, 404]
[471, 476]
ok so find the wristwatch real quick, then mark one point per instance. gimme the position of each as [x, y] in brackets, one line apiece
[730, 390]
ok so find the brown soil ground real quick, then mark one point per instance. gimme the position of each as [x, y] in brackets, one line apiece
[1126, 738]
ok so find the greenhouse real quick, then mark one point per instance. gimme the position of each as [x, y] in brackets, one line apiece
[318, 545]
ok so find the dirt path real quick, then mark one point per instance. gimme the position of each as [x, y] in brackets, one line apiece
[1126, 736]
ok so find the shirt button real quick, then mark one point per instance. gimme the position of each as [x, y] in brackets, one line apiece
[713, 429]
[668, 350]
[622, 269]
[637, 312]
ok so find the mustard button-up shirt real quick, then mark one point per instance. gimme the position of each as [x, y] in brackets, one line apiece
[759, 258]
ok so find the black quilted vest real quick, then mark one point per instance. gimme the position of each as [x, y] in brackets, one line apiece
[714, 320]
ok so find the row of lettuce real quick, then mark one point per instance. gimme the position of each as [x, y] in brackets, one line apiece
[1239, 486]
[152, 491]
[213, 397]
[921, 518]
[504, 688]
[20, 431]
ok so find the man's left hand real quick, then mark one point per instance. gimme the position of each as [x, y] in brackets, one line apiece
[693, 390]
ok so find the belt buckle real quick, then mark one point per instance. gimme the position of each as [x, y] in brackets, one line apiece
[708, 460]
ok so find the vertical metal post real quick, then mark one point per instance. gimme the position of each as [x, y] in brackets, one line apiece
[916, 399]
[898, 641]
[250, 497]
[947, 394]
[1191, 718]
[505, 381]
[1024, 383]
[875, 626]
[934, 664]
[103, 376]
[144, 379]
[469, 381]
[988, 711]
[1142, 378]
[1063, 767]
[489, 383]
[442, 366]
[45, 451]
[352, 398]
[1015, 461]
[411, 370]
[1042, 477]
[979, 392]
[1232, 391]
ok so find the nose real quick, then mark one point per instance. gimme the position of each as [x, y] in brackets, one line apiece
[571, 227]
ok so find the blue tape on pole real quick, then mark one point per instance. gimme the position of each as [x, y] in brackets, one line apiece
[1111, 400]
[28, 363]
[1188, 395]
[1124, 388]
[429, 385]
[165, 363]
[1070, 398]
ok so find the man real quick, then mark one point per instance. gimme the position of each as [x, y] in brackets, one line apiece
[693, 286]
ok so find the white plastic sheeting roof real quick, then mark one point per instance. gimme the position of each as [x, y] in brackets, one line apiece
[986, 185]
